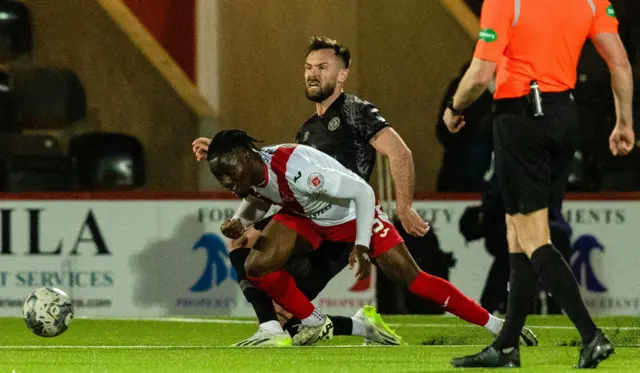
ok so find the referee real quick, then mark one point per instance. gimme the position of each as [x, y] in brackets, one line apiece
[533, 47]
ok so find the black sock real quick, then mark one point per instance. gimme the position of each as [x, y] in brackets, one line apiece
[523, 282]
[261, 301]
[556, 278]
[291, 326]
[342, 325]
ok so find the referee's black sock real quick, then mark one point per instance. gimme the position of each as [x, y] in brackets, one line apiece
[523, 282]
[260, 300]
[556, 278]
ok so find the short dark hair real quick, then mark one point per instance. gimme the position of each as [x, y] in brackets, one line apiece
[229, 140]
[323, 42]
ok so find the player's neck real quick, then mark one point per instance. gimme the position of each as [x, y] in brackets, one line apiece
[321, 107]
[260, 173]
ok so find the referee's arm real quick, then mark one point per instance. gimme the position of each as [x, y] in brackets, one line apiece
[474, 82]
[496, 23]
[604, 35]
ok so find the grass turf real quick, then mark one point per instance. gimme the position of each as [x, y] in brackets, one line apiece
[173, 346]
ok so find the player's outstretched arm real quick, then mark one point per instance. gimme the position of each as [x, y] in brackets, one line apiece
[390, 144]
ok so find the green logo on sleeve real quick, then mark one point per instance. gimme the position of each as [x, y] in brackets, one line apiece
[611, 12]
[488, 35]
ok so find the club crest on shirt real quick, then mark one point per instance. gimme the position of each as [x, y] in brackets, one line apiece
[305, 137]
[334, 124]
[315, 180]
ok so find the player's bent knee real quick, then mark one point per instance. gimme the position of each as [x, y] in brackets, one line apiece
[259, 266]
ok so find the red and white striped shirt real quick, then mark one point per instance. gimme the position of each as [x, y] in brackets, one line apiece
[310, 183]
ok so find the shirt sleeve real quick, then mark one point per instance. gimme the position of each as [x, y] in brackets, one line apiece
[250, 212]
[337, 185]
[369, 122]
[604, 20]
[496, 22]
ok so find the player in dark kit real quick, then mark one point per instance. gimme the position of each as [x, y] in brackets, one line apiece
[350, 130]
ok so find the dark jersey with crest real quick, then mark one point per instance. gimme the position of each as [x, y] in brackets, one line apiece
[344, 132]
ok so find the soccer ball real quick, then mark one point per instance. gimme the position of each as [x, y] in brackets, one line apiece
[48, 312]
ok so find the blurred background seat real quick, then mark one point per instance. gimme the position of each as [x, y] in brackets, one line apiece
[30, 163]
[107, 161]
[48, 98]
[15, 30]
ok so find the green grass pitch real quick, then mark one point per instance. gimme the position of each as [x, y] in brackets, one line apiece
[201, 345]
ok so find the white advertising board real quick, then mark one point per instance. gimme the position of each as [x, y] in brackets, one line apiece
[167, 257]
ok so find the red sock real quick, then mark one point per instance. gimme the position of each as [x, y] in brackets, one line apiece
[444, 293]
[281, 287]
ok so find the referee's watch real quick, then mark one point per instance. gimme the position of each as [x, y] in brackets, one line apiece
[453, 110]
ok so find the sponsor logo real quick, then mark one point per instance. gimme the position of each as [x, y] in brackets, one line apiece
[488, 35]
[582, 266]
[611, 12]
[321, 211]
[334, 124]
[216, 269]
[315, 180]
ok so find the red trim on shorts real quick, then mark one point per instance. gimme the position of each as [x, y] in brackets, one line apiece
[279, 166]
[384, 237]
[301, 225]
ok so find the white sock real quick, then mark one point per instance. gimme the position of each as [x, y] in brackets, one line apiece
[359, 328]
[272, 326]
[316, 318]
[494, 324]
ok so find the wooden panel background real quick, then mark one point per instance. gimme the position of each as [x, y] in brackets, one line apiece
[404, 54]
[125, 91]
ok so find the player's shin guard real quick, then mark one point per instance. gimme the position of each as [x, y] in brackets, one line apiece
[260, 301]
[282, 288]
[452, 299]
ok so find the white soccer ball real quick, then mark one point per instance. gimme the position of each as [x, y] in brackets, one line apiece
[48, 312]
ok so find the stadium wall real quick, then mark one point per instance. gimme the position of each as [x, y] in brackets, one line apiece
[132, 84]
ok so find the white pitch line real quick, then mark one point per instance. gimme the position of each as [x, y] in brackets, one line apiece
[182, 347]
[395, 325]
[143, 347]
[392, 324]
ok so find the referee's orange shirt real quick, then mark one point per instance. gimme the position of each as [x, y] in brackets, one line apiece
[539, 40]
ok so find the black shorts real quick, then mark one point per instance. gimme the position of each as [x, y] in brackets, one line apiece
[313, 271]
[534, 155]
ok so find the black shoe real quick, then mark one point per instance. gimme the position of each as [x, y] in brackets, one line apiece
[599, 349]
[490, 357]
[527, 338]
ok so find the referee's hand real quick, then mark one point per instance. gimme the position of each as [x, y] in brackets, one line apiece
[453, 122]
[622, 140]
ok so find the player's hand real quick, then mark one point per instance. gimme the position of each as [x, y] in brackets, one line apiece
[200, 146]
[453, 122]
[412, 222]
[622, 139]
[232, 228]
[359, 254]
